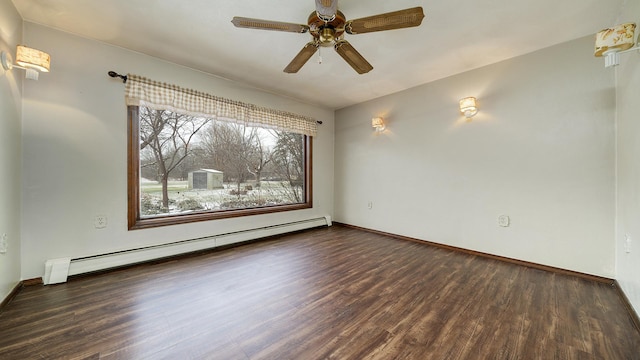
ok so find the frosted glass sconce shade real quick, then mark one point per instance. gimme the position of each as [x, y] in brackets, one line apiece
[612, 42]
[619, 37]
[378, 124]
[33, 59]
[469, 107]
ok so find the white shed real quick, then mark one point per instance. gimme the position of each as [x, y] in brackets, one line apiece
[205, 179]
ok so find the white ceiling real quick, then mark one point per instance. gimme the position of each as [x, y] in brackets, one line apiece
[455, 36]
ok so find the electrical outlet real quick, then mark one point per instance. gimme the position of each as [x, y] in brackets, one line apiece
[4, 244]
[503, 220]
[100, 221]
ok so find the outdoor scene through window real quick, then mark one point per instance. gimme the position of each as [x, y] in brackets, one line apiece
[189, 164]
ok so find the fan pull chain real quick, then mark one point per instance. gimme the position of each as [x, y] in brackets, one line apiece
[320, 55]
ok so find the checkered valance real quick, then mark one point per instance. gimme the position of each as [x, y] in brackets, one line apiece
[162, 96]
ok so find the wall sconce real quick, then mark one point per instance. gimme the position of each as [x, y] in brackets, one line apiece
[378, 124]
[29, 59]
[469, 107]
[612, 42]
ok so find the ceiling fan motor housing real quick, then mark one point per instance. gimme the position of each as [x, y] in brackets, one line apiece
[326, 32]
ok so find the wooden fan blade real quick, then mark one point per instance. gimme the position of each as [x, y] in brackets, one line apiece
[388, 21]
[303, 56]
[243, 22]
[353, 57]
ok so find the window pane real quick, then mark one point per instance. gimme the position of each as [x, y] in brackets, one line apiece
[192, 165]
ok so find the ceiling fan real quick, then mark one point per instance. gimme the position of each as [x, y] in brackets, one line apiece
[327, 26]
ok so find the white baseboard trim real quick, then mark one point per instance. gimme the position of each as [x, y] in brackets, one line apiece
[133, 256]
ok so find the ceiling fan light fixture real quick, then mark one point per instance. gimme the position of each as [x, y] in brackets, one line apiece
[327, 36]
[327, 9]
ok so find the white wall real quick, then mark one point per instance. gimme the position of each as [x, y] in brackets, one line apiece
[10, 124]
[540, 150]
[628, 169]
[74, 151]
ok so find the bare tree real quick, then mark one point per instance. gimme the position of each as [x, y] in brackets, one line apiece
[166, 137]
[231, 147]
[259, 157]
[288, 161]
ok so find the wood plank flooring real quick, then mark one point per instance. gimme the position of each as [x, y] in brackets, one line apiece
[330, 293]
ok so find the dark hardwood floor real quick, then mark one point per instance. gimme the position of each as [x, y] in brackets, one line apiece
[330, 293]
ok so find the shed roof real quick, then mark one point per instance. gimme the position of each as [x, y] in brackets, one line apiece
[209, 171]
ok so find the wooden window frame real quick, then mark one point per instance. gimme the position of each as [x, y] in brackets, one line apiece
[135, 221]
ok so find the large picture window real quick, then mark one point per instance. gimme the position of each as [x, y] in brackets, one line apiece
[194, 156]
[185, 168]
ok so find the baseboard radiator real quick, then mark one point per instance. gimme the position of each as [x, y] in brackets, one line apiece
[57, 270]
